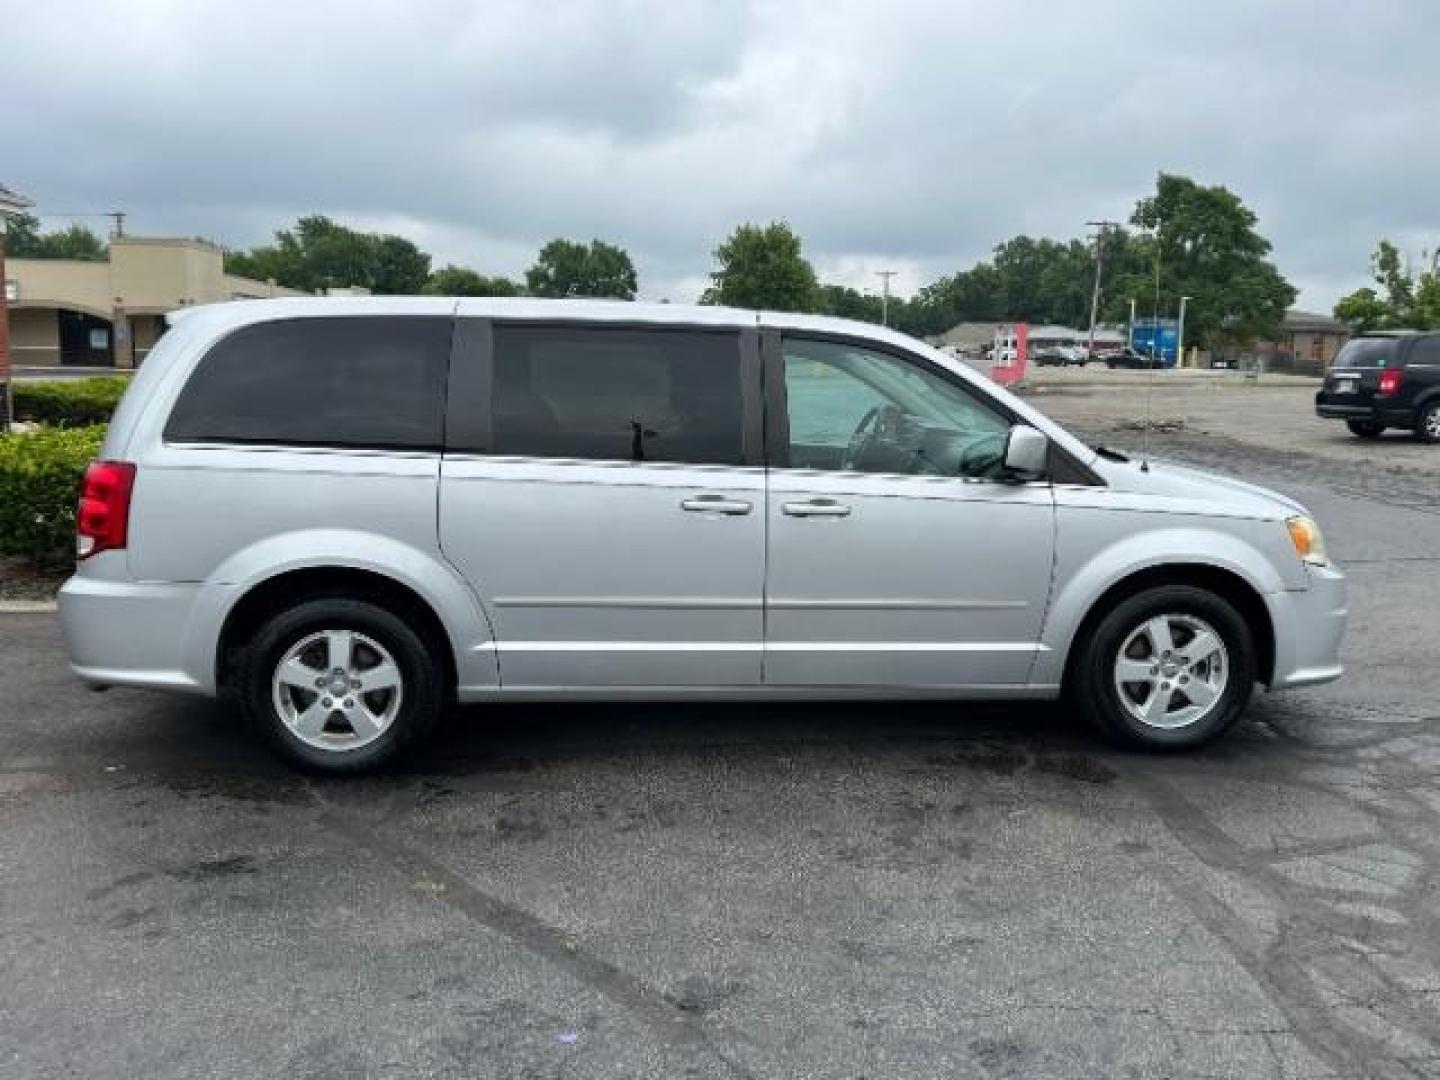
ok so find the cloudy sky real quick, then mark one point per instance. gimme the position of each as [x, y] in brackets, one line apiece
[904, 135]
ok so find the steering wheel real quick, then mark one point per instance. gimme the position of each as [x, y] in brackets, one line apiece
[859, 438]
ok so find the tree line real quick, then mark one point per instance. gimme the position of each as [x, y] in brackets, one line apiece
[1184, 239]
[1405, 300]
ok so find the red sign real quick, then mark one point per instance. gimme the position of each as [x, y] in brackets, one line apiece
[1011, 358]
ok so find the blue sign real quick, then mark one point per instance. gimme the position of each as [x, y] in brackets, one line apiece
[1157, 339]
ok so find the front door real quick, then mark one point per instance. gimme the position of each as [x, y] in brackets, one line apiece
[604, 495]
[898, 554]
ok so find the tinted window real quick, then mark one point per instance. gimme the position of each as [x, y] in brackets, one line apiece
[617, 394]
[1425, 351]
[858, 410]
[1371, 352]
[365, 382]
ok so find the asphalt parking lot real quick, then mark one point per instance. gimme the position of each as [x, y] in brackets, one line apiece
[763, 891]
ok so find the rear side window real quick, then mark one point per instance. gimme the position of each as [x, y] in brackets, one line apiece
[617, 394]
[1363, 352]
[373, 382]
[1425, 351]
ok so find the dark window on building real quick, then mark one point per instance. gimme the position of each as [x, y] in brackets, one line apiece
[617, 394]
[370, 381]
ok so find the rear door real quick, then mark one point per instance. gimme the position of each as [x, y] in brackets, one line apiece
[602, 491]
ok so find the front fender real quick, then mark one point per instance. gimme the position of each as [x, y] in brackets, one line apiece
[1087, 565]
[467, 624]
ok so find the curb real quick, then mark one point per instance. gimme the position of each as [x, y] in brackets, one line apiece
[27, 607]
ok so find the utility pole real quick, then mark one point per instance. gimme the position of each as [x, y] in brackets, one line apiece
[1104, 228]
[119, 218]
[885, 276]
[1180, 334]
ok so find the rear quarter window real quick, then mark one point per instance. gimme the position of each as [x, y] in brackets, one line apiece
[375, 382]
[1424, 353]
[1368, 353]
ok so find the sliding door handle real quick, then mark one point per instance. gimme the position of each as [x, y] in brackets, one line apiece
[716, 504]
[815, 508]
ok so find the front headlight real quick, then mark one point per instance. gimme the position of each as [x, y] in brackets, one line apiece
[1309, 543]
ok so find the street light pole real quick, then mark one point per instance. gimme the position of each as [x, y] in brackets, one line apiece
[1180, 333]
[885, 276]
[10, 204]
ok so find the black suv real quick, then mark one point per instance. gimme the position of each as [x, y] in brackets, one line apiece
[1381, 381]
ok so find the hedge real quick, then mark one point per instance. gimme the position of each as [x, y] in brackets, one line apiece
[39, 482]
[69, 402]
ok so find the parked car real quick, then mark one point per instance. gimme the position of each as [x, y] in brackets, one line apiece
[1126, 357]
[344, 513]
[1061, 356]
[1385, 380]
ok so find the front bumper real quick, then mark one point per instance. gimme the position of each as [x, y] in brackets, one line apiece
[1309, 626]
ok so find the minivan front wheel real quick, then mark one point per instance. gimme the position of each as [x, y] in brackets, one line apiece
[1172, 667]
[339, 686]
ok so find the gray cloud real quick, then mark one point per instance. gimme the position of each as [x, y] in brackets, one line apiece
[907, 135]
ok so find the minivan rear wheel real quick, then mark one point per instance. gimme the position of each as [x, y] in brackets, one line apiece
[339, 686]
[1170, 668]
[1365, 429]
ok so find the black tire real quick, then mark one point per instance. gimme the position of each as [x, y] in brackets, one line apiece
[1094, 669]
[1427, 423]
[421, 694]
[1365, 429]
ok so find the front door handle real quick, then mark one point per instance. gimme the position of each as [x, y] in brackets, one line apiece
[716, 504]
[815, 508]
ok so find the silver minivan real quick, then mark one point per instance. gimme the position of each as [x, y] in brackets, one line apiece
[345, 514]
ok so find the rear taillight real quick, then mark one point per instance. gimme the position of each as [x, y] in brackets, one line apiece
[103, 517]
[1390, 380]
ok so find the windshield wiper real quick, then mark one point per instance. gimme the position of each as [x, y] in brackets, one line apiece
[1110, 455]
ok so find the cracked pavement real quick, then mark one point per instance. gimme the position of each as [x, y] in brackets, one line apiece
[868, 890]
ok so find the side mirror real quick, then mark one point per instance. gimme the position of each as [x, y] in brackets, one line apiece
[1027, 451]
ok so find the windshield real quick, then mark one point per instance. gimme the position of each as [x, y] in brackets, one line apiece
[1374, 352]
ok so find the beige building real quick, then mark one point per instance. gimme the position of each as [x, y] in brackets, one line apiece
[1311, 340]
[111, 313]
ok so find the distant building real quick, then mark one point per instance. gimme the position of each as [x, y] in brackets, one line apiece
[968, 338]
[111, 313]
[1312, 340]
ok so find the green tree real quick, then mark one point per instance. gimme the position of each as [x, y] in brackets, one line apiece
[1363, 309]
[843, 302]
[25, 240]
[452, 280]
[763, 266]
[1404, 301]
[568, 268]
[974, 295]
[319, 253]
[1209, 250]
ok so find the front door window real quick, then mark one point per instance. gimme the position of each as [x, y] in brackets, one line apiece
[854, 409]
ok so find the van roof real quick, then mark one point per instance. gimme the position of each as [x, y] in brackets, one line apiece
[236, 313]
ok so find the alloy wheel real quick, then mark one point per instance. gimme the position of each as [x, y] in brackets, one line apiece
[337, 690]
[1172, 671]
